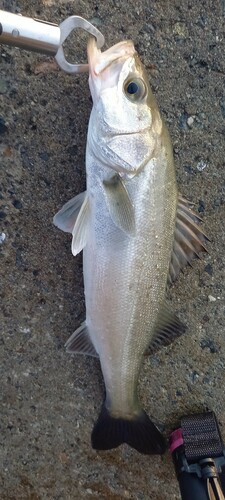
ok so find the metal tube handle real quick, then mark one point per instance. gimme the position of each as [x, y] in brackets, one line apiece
[28, 33]
[44, 37]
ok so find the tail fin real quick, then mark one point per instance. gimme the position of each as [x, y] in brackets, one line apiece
[140, 433]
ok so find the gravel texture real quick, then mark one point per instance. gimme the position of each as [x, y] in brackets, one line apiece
[49, 399]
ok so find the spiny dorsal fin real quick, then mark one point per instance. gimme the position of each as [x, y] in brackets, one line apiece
[66, 217]
[189, 239]
[119, 204]
[80, 343]
[168, 328]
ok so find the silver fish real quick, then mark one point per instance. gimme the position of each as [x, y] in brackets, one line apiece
[136, 233]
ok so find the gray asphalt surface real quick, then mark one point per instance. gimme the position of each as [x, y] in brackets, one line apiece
[49, 399]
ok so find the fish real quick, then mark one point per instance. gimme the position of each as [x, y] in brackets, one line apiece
[136, 232]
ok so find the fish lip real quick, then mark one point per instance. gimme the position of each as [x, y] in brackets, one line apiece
[100, 61]
[145, 129]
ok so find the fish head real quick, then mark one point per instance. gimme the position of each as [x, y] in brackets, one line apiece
[125, 122]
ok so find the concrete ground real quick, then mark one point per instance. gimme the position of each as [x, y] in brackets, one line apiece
[49, 399]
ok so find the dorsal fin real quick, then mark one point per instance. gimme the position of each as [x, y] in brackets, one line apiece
[168, 327]
[189, 239]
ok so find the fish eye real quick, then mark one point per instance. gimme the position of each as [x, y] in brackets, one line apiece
[135, 89]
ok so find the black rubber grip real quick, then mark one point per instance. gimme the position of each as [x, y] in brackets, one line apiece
[201, 436]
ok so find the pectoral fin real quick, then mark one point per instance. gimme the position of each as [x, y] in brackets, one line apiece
[119, 204]
[189, 239]
[80, 342]
[167, 329]
[66, 217]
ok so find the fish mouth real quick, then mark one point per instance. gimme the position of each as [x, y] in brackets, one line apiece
[100, 61]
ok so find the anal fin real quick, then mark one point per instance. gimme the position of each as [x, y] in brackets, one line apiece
[80, 343]
[167, 329]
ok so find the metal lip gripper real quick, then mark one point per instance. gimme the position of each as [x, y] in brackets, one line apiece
[44, 37]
